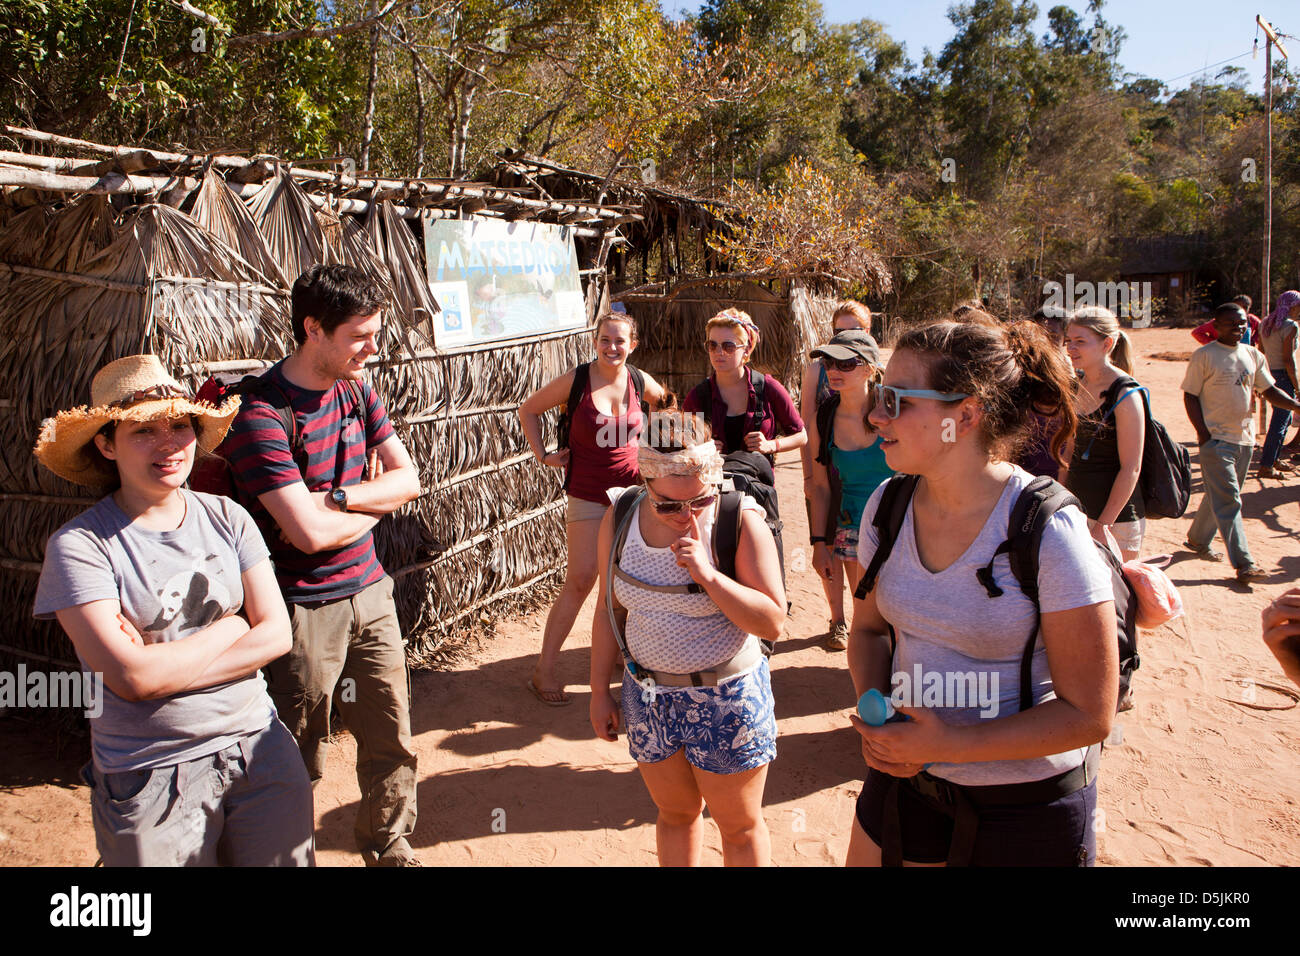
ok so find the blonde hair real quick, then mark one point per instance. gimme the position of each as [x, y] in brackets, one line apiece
[856, 309]
[1102, 321]
[739, 322]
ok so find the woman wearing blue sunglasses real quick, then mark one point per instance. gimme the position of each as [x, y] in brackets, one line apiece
[954, 406]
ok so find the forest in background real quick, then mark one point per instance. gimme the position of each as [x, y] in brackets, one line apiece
[1006, 159]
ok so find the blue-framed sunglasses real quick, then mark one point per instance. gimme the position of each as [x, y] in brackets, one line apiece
[891, 398]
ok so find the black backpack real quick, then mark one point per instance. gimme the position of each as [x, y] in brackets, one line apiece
[581, 376]
[1166, 477]
[212, 474]
[1041, 499]
[751, 472]
[704, 392]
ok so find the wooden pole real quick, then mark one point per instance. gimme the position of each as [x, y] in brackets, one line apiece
[407, 187]
[110, 183]
[1268, 175]
[1270, 41]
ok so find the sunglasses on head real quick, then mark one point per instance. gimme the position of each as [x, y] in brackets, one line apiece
[842, 365]
[727, 347]
[674, 506]
[890, 399]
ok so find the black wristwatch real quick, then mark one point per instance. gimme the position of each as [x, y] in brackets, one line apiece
[340, 498]
[817, 539]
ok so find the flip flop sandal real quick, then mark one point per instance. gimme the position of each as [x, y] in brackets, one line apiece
[540, 694]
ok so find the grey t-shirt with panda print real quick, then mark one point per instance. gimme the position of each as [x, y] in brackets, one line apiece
[170, 584]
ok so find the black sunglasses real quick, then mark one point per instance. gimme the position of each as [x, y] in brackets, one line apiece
[842, 365]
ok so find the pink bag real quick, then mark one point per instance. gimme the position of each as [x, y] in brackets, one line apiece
[1158, 601]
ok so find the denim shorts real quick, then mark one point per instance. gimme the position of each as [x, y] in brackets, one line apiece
[1060, 833]
[730, 728]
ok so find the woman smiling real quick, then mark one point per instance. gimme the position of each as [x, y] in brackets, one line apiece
[171, 596]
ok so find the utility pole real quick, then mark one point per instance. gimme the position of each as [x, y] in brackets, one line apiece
[1269, 43]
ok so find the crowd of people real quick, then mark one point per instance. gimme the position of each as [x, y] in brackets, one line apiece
[916, 472]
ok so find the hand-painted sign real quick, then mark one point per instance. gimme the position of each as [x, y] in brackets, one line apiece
[497, 280]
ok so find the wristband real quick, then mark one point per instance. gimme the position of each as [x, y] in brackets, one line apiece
[817, 539]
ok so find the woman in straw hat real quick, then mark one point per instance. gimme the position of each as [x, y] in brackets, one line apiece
[169, 596]
[696, 697]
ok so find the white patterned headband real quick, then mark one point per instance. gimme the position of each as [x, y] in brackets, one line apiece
[703, 460]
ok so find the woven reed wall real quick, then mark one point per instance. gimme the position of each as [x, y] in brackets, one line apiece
[485, 538]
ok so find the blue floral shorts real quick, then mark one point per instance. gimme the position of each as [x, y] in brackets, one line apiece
[725, 729]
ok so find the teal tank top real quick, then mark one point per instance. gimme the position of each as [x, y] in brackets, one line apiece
[861, 472]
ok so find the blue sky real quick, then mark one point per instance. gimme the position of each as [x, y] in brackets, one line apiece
[1169, 41]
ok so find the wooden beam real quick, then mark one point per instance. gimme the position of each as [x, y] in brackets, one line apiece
[111, 183]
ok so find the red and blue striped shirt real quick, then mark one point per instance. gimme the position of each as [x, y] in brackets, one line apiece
[337, 433]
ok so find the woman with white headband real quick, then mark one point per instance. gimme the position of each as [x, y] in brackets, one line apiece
[696, 697]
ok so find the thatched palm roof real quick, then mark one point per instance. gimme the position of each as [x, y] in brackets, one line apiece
[82, 283]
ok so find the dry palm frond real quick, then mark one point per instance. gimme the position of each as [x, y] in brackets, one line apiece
[395, 245]
[223, 214]
[288, 222]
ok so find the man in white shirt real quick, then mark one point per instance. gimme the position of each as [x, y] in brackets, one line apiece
[1216, 393]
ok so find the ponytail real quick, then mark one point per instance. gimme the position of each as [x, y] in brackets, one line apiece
[1121, 356]
[1014, 370]
[1047, 382]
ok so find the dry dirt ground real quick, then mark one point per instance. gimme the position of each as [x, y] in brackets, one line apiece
[1198, 779]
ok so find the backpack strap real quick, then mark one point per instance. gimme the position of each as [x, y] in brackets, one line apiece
[726, 532]
[825, 432]
[891, 511]
[581, 376]
[638, 387]
[1130, 386]
[705, 392]
[1039, 500]
[759, 381]
[624, 512]
[268, 390]
[825, 427]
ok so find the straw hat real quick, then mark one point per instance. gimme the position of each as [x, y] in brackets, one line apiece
[136, 388]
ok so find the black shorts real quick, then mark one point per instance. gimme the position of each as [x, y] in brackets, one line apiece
[1060, 833]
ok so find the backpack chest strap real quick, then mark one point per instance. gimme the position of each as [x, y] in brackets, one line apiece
[691, 588]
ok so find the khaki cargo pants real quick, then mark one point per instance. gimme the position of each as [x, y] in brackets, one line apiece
[348, 652]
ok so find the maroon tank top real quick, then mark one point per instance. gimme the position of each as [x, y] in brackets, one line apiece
[602, 448]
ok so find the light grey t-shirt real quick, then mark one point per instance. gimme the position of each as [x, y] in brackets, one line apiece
[170, 584]
[958, 649]
[1274, 346]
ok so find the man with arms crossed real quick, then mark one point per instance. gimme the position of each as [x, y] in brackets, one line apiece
[316, 507]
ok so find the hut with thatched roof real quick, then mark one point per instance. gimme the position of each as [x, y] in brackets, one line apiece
[107, 251]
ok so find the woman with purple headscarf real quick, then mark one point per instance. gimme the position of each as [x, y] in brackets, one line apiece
[1277, 338]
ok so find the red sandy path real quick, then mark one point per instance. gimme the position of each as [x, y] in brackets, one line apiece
[1197, 780]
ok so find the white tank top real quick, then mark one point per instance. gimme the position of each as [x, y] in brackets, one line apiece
[675, 633]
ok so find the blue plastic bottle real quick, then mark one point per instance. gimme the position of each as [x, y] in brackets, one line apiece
[876, 709]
